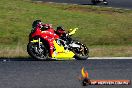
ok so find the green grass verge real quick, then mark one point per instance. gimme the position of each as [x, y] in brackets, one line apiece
[98, 26]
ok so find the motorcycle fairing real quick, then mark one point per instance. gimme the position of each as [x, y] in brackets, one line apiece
[73, 31]
[61, 53]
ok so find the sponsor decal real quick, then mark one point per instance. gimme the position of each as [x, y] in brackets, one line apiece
[87, 81]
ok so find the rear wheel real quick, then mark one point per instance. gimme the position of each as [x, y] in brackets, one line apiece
[81, 53]
[36, 52]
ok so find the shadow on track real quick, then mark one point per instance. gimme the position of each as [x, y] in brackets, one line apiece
[2, 59]
[22, 59]
[86, 4]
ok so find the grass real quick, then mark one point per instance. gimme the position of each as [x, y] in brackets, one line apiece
[107, 31]
[108, 51]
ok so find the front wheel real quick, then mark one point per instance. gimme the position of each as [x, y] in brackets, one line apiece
[81, 53]
[36, 52]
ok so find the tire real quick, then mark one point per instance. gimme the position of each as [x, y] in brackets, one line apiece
[35, 53]
[81, 55]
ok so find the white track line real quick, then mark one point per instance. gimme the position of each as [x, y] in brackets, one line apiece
[110, 58]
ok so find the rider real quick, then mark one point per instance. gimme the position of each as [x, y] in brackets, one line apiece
[49, 31]
[38, 24]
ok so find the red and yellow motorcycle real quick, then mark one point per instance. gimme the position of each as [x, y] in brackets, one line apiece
[64, 47]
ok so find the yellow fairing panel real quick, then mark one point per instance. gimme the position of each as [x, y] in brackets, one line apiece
[73, 31]
[35, 41]
[61, 53]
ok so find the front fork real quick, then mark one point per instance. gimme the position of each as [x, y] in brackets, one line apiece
[39, 43]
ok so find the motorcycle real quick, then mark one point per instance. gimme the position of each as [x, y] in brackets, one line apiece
[65, 48]
[95, 2]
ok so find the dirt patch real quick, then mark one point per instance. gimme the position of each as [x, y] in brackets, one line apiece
[98, 10]
[18, 52]
[124, 51]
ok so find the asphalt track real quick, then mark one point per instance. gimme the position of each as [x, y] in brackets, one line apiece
[28, 73]
[127, 4]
